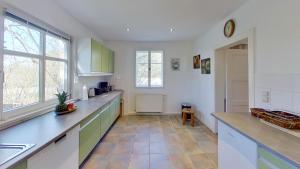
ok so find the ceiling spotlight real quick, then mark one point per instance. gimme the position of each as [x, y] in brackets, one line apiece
[128, 29]
[172, 30]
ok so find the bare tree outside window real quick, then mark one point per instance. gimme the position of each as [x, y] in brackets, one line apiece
[23, 65]
[149, 69]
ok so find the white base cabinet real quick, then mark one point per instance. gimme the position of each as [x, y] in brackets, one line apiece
[235, 151]
[61, 154]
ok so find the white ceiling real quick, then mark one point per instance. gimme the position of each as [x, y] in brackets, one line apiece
[149, 20]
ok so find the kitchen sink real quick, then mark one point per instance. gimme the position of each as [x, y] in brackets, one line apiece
[10, 151]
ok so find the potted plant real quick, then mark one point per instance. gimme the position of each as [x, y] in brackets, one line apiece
[62, 107]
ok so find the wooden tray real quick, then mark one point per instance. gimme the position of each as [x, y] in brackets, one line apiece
[65, 112]
[279, 118]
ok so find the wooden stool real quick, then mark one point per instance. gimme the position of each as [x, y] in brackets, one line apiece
[186, 111]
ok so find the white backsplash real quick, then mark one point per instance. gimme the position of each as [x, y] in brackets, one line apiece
[284, 92]
[89, 82]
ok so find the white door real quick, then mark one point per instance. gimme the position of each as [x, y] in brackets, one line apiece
[237, 97]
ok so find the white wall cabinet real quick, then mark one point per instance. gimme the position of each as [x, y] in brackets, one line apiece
[235, 151]
[61, 154]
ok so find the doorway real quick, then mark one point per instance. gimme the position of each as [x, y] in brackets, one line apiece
[232, 77]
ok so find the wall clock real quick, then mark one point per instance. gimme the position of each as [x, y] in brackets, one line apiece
[229, 28]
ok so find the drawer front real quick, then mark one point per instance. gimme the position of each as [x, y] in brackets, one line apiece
[267, 159]
[61, 154]
[89, 136]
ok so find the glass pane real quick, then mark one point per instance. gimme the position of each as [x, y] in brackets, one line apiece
[21, 38]
[156, 57]
[142, 75]
[156, 75]
[56, 47]
[21, 86]
[55, 79]
[142, 57]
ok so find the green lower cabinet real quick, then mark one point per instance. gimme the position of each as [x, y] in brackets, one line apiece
[89, 136]
[94, 127]
[267, 160]
[22, 165]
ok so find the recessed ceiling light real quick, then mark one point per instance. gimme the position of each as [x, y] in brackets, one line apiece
[128, 29]
[172, 29]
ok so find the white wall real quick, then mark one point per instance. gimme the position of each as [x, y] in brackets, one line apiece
[177, 84]
[50, 13]
[277, 51]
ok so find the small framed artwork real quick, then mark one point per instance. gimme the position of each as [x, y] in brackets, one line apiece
[197, 62]
[175, 64]
[205, 66]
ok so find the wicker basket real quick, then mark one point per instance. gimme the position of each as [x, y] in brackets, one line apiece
[282, 119]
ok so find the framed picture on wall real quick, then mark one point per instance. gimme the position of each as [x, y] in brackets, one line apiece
[197, 62]
[205, 66]
[175, 64]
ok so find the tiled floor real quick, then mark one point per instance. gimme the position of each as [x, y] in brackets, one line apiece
[155, 142]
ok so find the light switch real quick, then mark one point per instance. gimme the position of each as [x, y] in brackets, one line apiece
[265, 96]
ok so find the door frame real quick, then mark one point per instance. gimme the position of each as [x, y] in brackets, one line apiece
[250, 36]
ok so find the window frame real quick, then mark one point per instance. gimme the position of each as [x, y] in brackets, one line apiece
[149, 86]
[42, 104]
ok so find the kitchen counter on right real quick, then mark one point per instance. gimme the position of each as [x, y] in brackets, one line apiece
[246, 142]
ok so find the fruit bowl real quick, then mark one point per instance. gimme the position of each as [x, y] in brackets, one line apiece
[66, 112]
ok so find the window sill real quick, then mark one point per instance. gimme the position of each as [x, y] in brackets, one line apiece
[27, 116]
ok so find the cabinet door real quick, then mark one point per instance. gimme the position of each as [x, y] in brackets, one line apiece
[232, 152]
[111, 61]
[22, 165]
[61, 154]
[104, 59]
[96, 56]
[104, 120]
[89, 136]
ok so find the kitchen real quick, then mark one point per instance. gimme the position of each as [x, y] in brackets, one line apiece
[107, 54]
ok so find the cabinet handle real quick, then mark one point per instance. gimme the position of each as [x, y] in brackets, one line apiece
[60, 138]
[88, 123]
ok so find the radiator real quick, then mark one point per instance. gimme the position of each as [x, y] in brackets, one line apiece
[149, 103]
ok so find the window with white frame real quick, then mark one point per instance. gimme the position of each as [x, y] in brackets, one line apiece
[35, 64]
[149, 69]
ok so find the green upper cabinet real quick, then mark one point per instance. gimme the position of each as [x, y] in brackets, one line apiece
[94, 59]
[104, 59]
[111, 61]
[96, 56]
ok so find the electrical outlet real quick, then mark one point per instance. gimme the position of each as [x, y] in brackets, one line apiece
[265, 96]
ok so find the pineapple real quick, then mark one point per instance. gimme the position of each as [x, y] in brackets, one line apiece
[62, 106]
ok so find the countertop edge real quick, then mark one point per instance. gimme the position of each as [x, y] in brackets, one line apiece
[27, 154]
[258, 142]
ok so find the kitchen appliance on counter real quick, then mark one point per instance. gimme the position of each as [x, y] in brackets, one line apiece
[95, 92]
[105, 87]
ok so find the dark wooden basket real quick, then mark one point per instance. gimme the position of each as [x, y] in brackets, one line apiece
[280, 118]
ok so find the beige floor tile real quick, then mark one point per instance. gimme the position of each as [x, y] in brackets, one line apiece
[141, 148]
[181, 161]
[139, 162]
[120, 161]
[201, 161]
[158, 148]
[160, 161]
